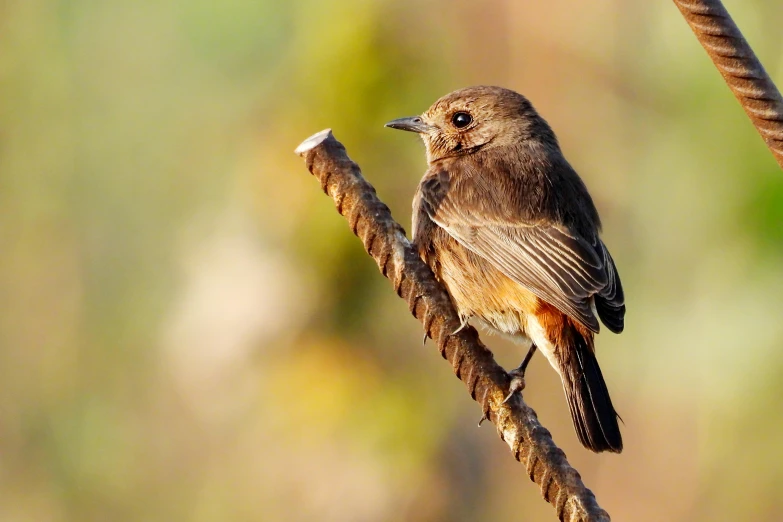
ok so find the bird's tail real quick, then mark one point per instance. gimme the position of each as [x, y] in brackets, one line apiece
[595, 419]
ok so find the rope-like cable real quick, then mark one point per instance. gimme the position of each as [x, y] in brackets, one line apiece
[738, 65]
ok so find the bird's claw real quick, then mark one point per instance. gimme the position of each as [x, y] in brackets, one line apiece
[462, 325]
[517, 383]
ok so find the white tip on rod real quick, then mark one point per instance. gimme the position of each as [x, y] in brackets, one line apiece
[313, 141]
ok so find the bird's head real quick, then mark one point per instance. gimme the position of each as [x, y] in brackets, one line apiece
[476, 118]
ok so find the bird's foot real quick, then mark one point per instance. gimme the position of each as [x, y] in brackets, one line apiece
[463, 323]
[517, 375]
[517, 383]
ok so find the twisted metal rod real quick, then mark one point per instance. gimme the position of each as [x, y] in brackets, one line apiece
[740, 68]
[385, 241]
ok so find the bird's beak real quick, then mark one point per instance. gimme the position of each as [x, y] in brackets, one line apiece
[412, 124]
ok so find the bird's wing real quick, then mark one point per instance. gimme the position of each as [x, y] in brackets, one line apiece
[610, 301]
[553, 262]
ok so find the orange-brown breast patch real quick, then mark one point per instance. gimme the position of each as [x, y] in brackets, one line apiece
[480, 290]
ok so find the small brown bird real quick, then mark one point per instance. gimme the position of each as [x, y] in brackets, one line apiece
[509, 228]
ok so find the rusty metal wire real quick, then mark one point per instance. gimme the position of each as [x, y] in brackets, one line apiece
[738, 65]
[385, 241]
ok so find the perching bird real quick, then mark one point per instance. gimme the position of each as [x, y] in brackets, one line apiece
[509, 228]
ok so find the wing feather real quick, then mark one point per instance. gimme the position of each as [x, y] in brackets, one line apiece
[610, 302]
[553, 262]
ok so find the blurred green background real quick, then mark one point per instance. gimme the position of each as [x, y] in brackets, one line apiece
[189, 331]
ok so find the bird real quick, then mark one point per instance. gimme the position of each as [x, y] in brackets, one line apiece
[509, 228]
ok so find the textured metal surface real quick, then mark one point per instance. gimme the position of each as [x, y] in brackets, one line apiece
[385, 241]
[738, 65]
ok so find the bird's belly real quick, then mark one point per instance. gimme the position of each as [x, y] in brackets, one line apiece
[480, 290]
[501, 304]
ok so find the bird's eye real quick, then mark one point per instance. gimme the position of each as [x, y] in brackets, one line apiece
[461, 119]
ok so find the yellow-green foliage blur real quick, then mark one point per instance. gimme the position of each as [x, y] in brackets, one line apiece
[190, 332]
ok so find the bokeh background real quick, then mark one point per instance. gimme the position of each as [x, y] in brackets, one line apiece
[189, 331]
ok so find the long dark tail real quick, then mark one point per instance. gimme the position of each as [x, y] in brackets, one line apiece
[595, 419]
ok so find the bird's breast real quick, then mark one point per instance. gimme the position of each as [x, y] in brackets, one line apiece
[478, 289]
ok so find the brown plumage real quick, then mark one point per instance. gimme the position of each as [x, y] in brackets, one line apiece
[509, 228]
